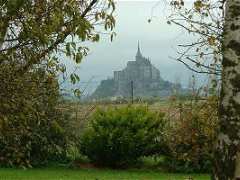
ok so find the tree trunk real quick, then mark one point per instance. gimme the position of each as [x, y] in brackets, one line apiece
[227, 152]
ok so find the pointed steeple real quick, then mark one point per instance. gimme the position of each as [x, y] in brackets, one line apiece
[139, 54]
[138, 47]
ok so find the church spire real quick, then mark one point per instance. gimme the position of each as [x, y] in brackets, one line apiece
[138, 47]
[139, 54]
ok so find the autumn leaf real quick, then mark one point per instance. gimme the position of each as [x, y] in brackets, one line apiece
[212, 41]
[198, 5]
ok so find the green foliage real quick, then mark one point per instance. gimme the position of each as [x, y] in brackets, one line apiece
[191, 139]
[32, 33]
[31, 127]
[45, 27]
[117, 137]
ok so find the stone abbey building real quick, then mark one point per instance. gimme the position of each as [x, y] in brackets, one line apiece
[144, 76]
[141, 75]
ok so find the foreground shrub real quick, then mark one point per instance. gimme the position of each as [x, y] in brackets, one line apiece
[32, 129]
[191, 138]
[117, 137]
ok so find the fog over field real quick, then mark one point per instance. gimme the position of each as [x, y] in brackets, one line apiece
[158, 41]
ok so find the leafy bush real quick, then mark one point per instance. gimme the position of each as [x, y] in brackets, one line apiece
[117, 137]
[191, 138]
[32, 129]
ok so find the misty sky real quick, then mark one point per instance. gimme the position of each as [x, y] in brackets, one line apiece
[158, 41]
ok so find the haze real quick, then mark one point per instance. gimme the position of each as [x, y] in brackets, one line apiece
[158, 41]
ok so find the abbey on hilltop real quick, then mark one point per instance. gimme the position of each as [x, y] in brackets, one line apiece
[141, 75]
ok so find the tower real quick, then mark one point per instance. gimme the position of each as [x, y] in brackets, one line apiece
[139, 54]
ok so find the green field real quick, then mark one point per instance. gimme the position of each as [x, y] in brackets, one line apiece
[92, 174]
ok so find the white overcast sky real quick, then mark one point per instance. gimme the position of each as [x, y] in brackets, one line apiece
[158, 41]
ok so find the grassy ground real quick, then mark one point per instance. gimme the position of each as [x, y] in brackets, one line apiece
[92, 174]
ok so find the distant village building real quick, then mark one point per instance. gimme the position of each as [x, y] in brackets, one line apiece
[144, 76]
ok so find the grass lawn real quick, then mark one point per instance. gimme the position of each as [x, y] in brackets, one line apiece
[92, 174]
